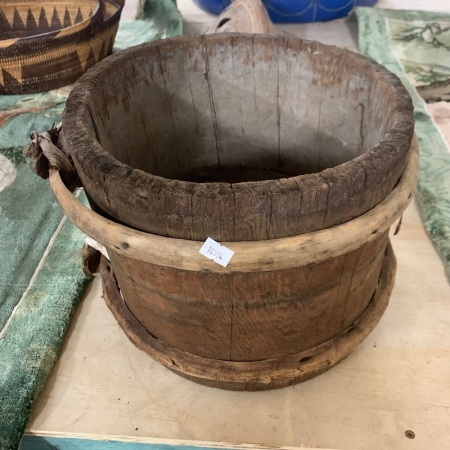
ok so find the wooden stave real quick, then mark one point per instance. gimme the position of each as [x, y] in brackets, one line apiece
[259, 375]
[125, 268]
[251, 316]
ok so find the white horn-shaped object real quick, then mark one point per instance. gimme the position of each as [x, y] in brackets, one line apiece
[243, 16]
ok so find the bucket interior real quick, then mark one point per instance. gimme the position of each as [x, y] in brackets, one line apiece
[241, 109]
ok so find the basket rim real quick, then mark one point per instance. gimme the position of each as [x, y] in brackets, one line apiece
[45, 46]
[54, 33]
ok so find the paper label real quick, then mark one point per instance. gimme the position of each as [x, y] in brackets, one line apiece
[218, 253]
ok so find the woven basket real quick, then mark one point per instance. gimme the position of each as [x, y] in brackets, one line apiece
[47, 45]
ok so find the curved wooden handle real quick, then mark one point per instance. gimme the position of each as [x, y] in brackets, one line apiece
[250, 256]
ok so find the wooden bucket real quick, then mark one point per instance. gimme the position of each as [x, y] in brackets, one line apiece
[295, 155]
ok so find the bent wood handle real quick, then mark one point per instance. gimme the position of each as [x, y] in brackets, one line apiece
[250, 256]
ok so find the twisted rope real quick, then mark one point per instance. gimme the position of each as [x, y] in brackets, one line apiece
[44, 155]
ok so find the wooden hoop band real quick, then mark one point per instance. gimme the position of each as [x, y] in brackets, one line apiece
[250, 256]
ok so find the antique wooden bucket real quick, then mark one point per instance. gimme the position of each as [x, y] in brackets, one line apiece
[295, 155]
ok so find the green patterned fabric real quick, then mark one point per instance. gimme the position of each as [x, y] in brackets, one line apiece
[415, 45]
[41, 280]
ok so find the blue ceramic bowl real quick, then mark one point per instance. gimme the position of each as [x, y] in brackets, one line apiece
[295, 10]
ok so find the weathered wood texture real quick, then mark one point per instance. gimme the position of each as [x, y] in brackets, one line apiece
[329, 132]
[254, 375]
[286, 323]
[250, 256]
[251, 316]
[340, 124]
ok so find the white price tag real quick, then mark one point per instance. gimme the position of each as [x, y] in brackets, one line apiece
[218, 253]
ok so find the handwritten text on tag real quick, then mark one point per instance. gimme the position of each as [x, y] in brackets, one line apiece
[218, 253]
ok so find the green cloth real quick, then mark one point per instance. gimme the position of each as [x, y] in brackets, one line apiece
[36, 305]
[415, 45]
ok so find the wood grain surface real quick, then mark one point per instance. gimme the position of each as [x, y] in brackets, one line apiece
[251, 316]
[261, 374]
[225, 102]
[259, 314]
[275, 254]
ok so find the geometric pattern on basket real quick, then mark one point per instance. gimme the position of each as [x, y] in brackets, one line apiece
[54, 42]
[74, 62]
[18, 21]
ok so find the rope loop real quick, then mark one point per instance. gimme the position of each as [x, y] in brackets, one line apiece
[48, 152]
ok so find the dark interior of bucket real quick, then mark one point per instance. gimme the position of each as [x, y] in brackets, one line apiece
[238, 175]
[243, 110]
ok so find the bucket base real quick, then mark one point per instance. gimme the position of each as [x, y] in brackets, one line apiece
[253, 375]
